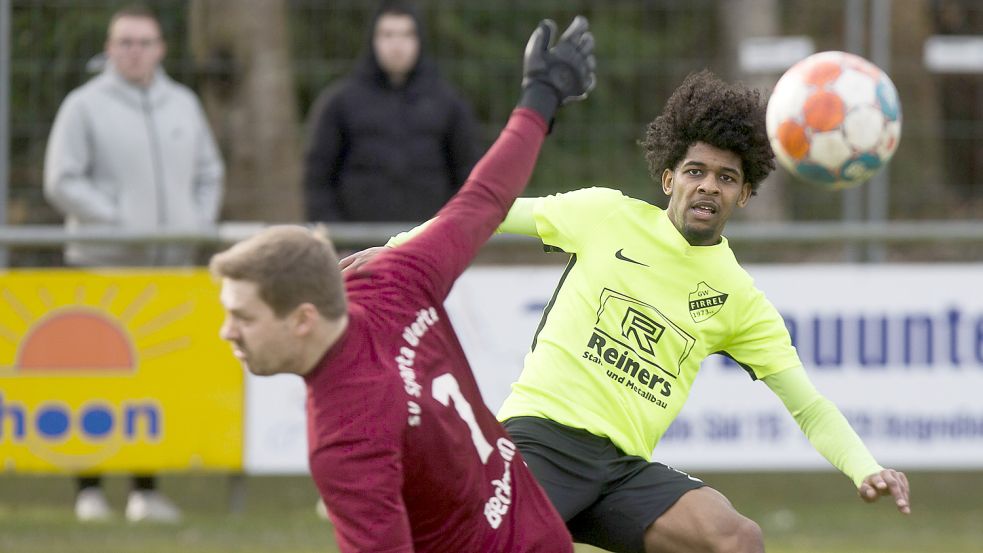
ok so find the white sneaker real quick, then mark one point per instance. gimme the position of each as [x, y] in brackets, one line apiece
[91, 505]
[322, 510]
[151, 506]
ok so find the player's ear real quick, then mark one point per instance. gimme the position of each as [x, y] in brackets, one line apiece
[667, 182]
[305, 318]
[745, 196]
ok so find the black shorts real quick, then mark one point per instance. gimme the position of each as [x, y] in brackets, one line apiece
[607, 498]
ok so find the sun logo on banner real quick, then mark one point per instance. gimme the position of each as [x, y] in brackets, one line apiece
[81, 336]
[76, 339]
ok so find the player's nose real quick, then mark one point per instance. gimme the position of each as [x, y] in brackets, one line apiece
[227, 331]
[709, 185]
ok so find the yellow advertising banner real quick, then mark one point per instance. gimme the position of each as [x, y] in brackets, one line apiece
[116, 371]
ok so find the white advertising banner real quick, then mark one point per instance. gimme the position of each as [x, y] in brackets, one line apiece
[899, 348]
[276, 425]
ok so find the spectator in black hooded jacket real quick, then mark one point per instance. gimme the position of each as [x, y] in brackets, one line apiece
[392, 141]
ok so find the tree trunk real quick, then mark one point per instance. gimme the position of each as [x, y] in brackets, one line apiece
[744, 19]
[247, 88]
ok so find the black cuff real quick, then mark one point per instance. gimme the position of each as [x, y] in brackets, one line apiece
[543, 99]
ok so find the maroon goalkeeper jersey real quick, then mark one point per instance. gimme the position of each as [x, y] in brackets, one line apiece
[402, 447]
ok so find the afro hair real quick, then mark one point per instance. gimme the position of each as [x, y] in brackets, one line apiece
[706, 109]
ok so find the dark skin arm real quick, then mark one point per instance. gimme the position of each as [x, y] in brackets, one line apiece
[888, 482]
[357, 259]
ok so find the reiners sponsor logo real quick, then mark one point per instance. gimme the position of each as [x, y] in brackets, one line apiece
[705, 302]
[624, 368]
[638, 346]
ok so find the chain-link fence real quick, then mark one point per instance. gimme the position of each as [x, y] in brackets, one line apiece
[645, 48]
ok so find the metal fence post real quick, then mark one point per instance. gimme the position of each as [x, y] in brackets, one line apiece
[4, 117]
[853, 199]
[878, 193]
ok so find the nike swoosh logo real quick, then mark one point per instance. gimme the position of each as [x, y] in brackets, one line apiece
[622, 257]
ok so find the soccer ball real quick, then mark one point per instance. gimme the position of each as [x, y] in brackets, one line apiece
[834, 119]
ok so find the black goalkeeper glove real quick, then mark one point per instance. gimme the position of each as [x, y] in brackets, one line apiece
[563, 73]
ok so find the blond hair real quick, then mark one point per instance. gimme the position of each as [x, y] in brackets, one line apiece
[290, 265]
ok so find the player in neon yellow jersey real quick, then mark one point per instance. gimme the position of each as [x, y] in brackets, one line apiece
[647, 295]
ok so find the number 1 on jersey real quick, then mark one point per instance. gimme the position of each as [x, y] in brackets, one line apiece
[444, 389]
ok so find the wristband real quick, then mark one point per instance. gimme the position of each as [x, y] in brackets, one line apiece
[542, 98]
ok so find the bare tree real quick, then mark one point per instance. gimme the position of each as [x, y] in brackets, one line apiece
[248, 92]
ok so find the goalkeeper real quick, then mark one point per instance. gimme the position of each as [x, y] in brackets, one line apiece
[648, 294]
[401, 446]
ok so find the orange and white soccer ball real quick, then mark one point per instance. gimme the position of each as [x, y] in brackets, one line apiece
[834, 119]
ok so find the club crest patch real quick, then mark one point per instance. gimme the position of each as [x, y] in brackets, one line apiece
[705, 302]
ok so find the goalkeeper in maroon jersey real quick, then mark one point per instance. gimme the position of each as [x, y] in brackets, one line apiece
[401, 446]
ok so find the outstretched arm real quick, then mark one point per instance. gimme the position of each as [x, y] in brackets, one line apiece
[445, 247]
[519, 220]
[552, 76]
[830, 433]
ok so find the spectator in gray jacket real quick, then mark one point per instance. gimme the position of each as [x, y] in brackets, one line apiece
[131, 150]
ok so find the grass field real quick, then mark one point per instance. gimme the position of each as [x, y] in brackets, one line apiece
[799, 512]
